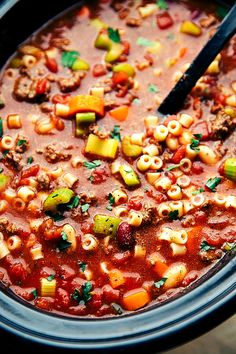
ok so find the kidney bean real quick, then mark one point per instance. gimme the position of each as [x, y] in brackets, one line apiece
[125, 236]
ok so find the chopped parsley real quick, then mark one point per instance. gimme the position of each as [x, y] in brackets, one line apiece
[82, 266]
[34, 293]
[144, 42]
[92, 164]
[205, 246]
[136, 101]
[85, 207]
[198, 191]
[30, 159]
[85, 295]
[91, 178]
[111, 202]
[158, 284]
[21, 142]
[1, 128]
[212, 183]
[195, 142]
[68, 58]
[5, 152]
[114, 35]
[74, 203]
[64, 236]
[174, 215]
[162, 5]
[153, 88]
[63, 244]
[115, 133]
[51, 277]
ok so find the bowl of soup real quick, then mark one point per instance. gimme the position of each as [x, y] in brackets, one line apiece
[117, 225]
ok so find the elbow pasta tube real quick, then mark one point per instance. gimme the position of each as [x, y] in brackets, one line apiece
[139, 251]
[207, 155]
[151, 150]
[3, 206]
[88, 274]
[178, 250]
[7, 142]
[150, 121]
[144, 163]
[230, 202]
[156, 163]
[9, 195]
[18, 204]
[190, 153]
[219, 200]
[121, 211]
[36, 252]
[183, 181]
[103, 267]
[160, 133]
[137, 138]
[186, 120]
[152, 177]
[177, 205]
[135, 219]
[175, 275]
[198, 200]
[186, 138]
[89, 242]
[163, 210]
[69, 179]
[56, 172]
[174, 127]
[26, 193]
[172, 143]
[180, 237]
[44, 126]
[120, 197]
[115, 167]
[76, 162]
[4, 251]
[163, 184]
[166, 234]
[187, 206]
[186, 165]
[14, 242]
[29, 60]
[71, 237]
[14, 121]
[174, 192]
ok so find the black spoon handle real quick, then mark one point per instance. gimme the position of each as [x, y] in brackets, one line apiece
[177, 95]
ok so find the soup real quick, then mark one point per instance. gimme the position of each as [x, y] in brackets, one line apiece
[107, 207]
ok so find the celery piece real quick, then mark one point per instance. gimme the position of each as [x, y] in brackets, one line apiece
[125, 68]
[101, 147]
[129, 176]
[4, 180]
[105, 225]
[16, 63]
[230, 168]
[85, 118]
[114, 52]
[80, 64]
[57, 197]
[130, 150]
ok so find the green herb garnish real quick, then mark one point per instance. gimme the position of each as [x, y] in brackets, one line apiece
[115, 133]
[85, 207]
[5, 152]
[91, 178]
[34, 293]
[30, 159]
[144, 42]
[68, 58]
[172, 167]
[54, 216]
[1, 128]
[206, 247]
[82, 266]
[74, 203]
[152, 88]
[21, 142]
[212, 183]
[85, 295]
[92, 164]
[195, 142]
[63, 245]
[114, 35]
[51, 277]
[162, 5]
[158, 284]
[64, 236]
[198, 191]
[174, 215]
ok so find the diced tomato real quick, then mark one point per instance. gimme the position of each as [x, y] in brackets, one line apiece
[171, 176]
[99, 175]
[190, 277]
[51, 64]
[24, 182]
[62, 299]
[66, 272]
[86, 227]
[29, 172]
[96, 301]
[26, 294]
[120, 78]
[179, 154]
[132, 280]
[84, 12]
[99, 70]
[201, 128]
[44, 303]
[126, 47]
[197, 168]
[164, 20]
[194, 239]
[62, 99]
[213, 238]
[18, 271]
[135, 202]
[109, 294]
[41, 86]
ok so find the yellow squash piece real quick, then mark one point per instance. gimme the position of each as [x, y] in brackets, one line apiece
[101, 147]
[191, 28]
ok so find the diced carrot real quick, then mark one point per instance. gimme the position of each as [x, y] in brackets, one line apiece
[120, 113]
[116, 278]
[182, 52]
[194, 238]
[86, 103]
[135, 299]
[160, 267]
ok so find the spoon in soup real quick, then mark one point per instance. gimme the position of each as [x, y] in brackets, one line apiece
[174, 100]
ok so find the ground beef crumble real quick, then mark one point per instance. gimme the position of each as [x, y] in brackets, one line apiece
[53, 154]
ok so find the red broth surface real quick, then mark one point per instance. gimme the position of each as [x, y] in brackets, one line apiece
[106, 207]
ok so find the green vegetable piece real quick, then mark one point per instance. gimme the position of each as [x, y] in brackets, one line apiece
[130, 150]
[162, 4]
[114, 35]
[80, 131]
[57, 197]
[105, 225]
[125, 68]
[212, 183]
[115, 133]
[158, 284]
[1, 128]
[80, 64]
[68, 58]
[85, 118]
[4, 180]
[16, 63]
[206, 247]
[230, 169]
[129, 176]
